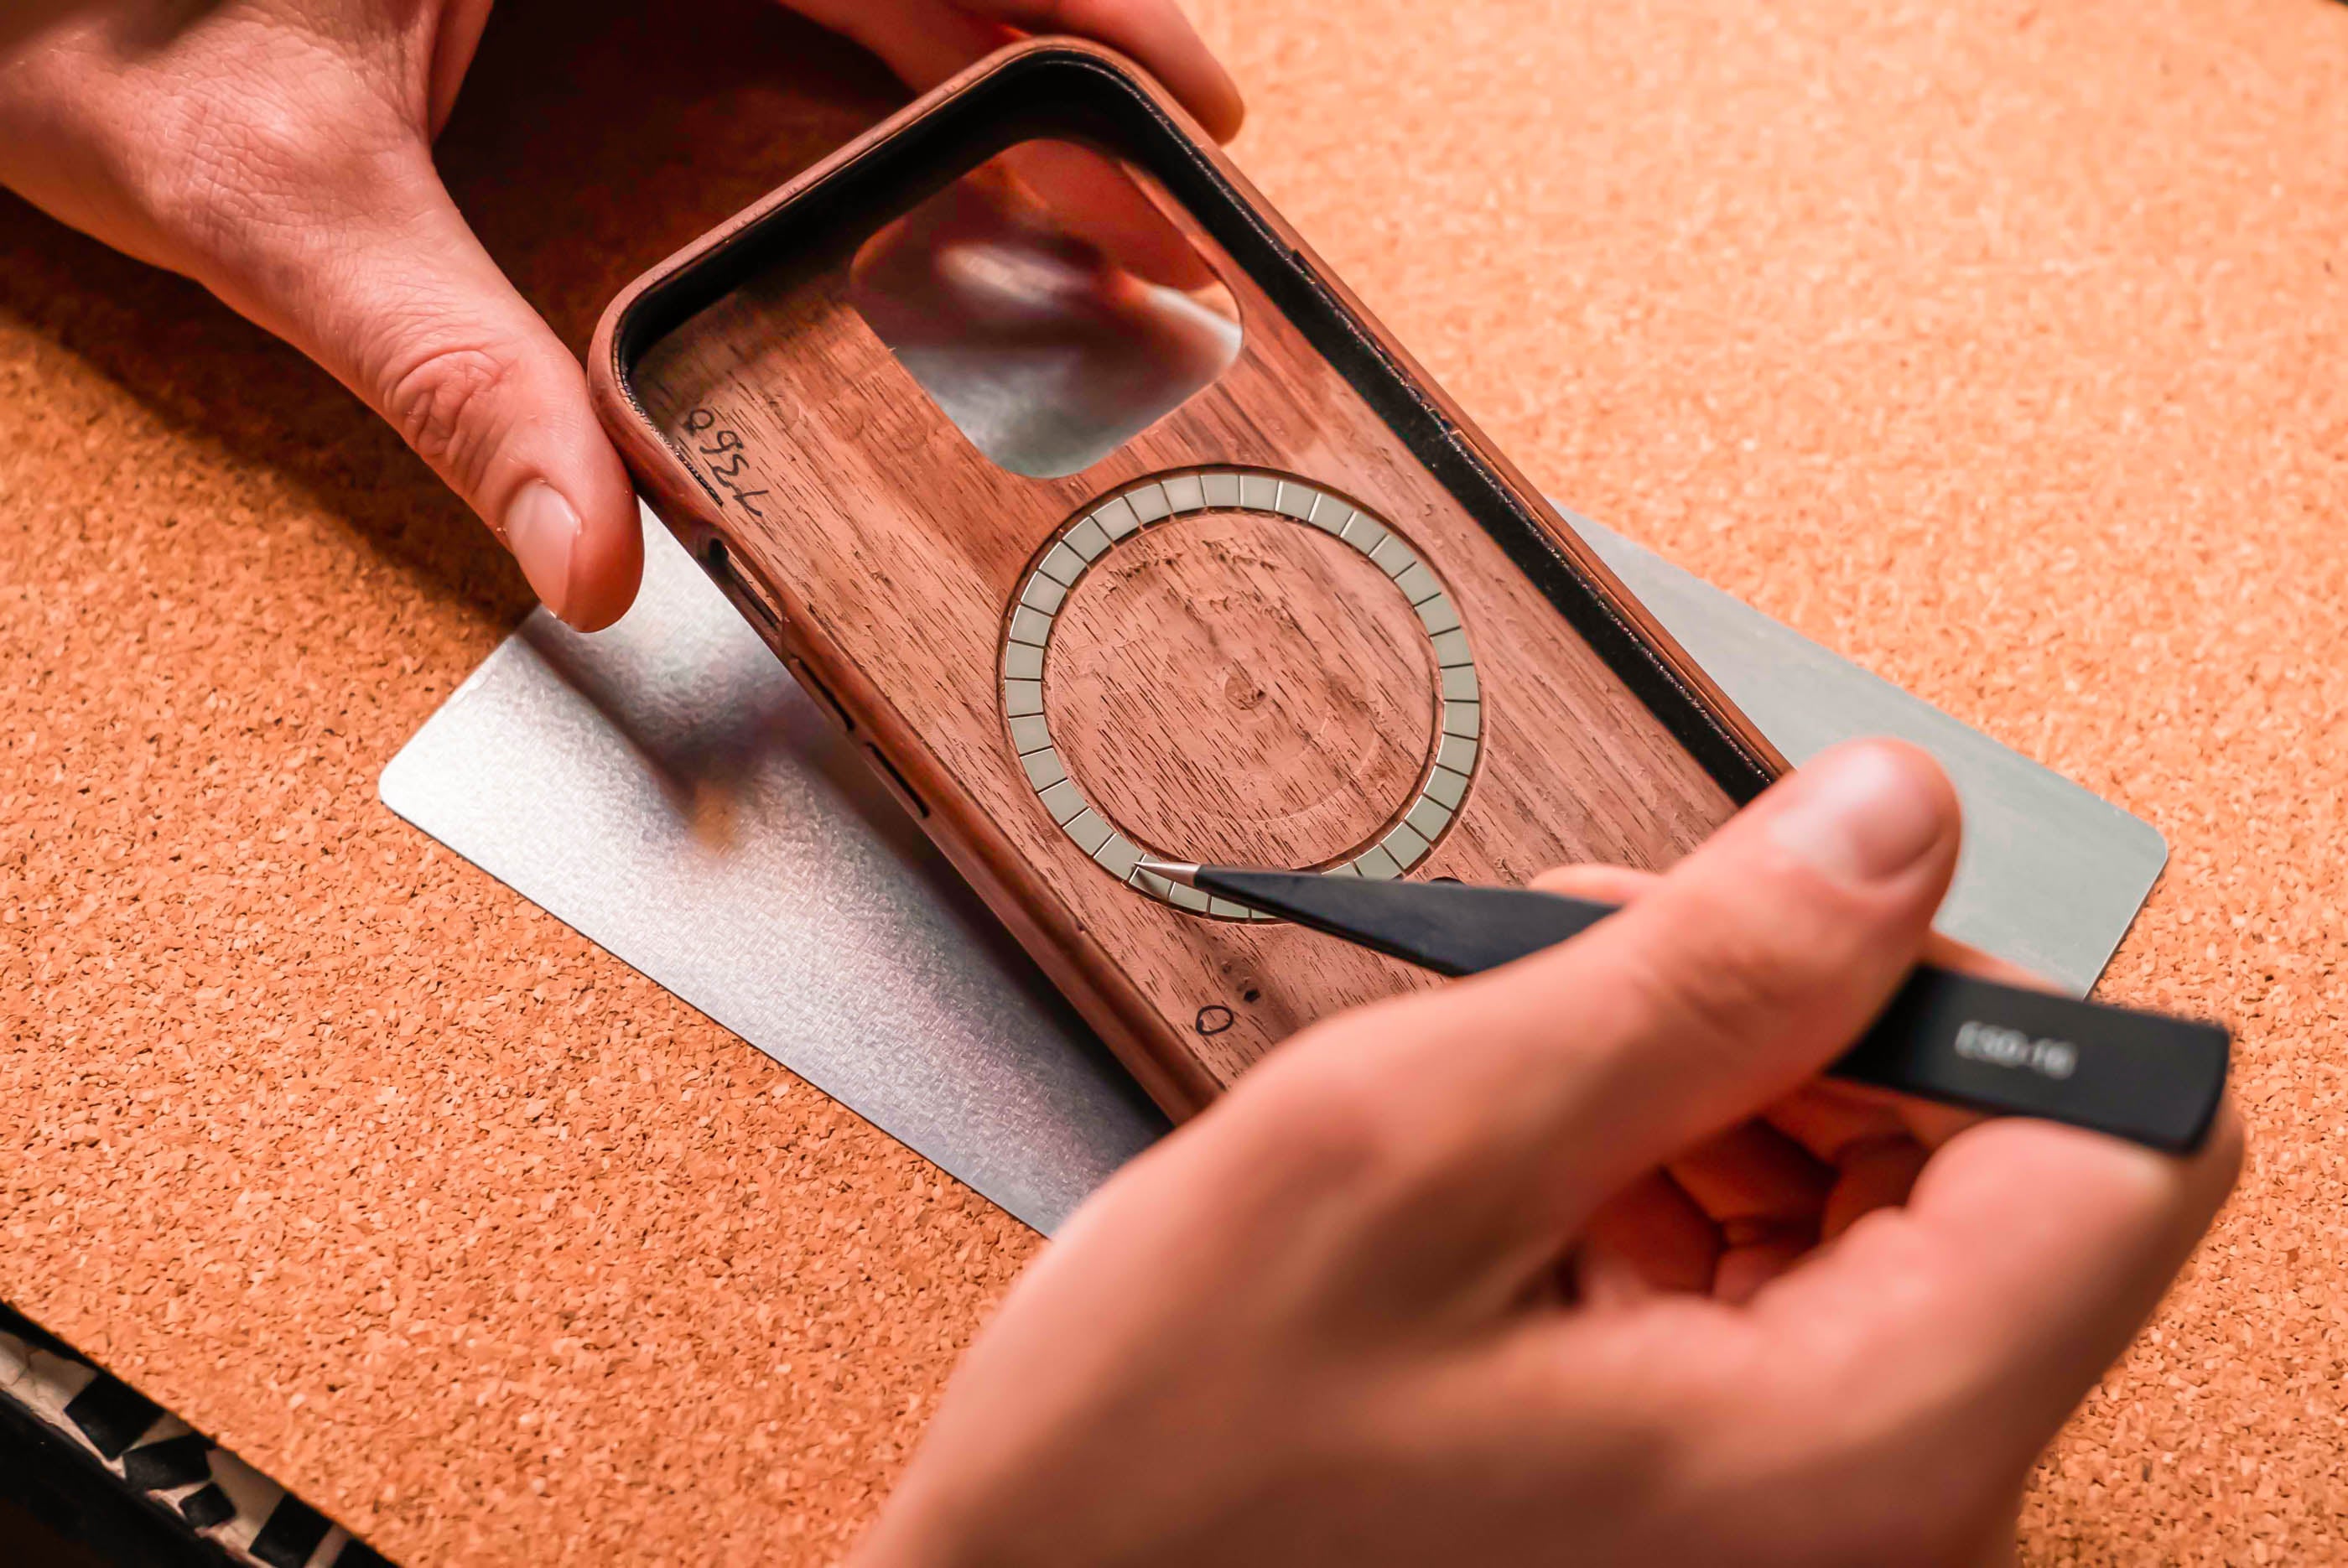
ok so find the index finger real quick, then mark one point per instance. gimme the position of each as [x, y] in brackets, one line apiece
[1154, 32]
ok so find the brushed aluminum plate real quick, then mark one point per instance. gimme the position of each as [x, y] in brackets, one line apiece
[665, 789]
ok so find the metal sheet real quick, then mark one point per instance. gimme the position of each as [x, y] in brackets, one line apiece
[665, 789]
[2052, 875]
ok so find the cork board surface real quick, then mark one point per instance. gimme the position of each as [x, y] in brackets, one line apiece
[1998, 346]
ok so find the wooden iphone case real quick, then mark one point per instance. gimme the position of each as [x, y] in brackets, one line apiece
[1308, 618]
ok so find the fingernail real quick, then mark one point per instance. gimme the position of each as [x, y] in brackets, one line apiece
[1860, 815]
[542, 532]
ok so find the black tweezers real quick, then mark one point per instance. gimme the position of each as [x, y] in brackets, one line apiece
[1956, 1038]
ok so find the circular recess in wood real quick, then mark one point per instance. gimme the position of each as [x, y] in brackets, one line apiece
[1237, 667]
[1255, 692]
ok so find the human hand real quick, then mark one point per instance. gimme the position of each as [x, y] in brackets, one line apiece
[280, 153]
[1565, 1263]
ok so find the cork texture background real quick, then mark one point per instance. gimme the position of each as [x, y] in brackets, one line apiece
[1998, 346]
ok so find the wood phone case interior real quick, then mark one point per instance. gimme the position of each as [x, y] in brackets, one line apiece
[1309, 618]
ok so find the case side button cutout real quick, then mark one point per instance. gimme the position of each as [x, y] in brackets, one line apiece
[743, 590]
[907, 795]
[812, 684]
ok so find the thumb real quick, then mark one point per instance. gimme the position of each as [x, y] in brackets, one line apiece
[404, 306]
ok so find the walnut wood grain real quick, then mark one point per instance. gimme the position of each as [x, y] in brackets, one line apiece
[884, 551]
[1242, 689]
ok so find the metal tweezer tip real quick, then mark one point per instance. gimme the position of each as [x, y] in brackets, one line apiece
[1175, 872]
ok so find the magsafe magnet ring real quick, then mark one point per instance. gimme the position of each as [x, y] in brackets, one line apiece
[1230, 664]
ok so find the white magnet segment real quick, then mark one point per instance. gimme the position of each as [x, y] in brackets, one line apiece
[1118, 519]
[1063, 800]
[1087, 828]
[1404, 845]
[1148, 503]
[1119, 856]
[1083, 544]
[1331, 515]
[1417, 583]
[1446, 788]
[1030, 733]
[1429, 818]
[1028, 627]
[1392, 557]
[1043, 595]
[1087, 539]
